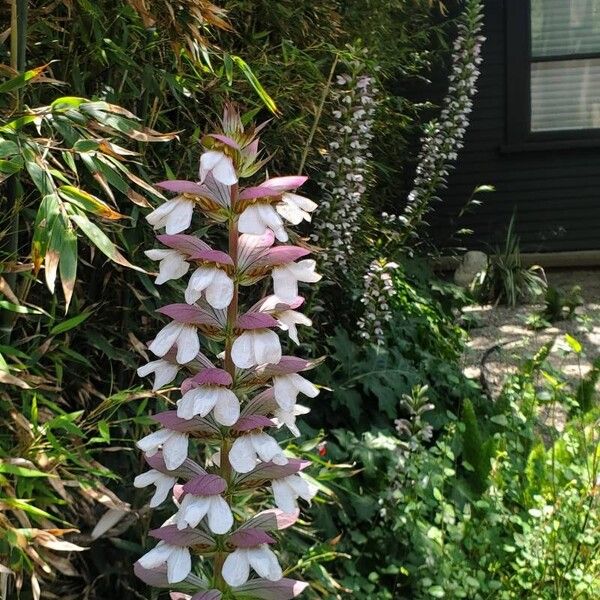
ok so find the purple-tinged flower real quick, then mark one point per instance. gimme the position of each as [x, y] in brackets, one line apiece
[173, 264]
[204, 399]
[219, 165]
[182, 335]
[164, 484]
[287, 387]
[174, 215]
[287, 490]
[215, 283]
[203, 499]
[256, 347]
[286, 278]
[246, 450]
[174, 445]
[295, 209]
[263, 589]
[177, 558]
[288, 418]
[164, 372]
[236, 569]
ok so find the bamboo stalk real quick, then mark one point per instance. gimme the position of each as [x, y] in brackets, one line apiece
[18, 46]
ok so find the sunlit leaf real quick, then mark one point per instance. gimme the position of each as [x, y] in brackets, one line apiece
[88, 202]
[255, 83]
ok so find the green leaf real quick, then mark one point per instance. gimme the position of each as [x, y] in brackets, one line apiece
[41, 178]
[104, 430]
[20, 80]
[68, 264]
[69, 323]
[52, 255]
[23, 310]
[88, 202]
[573, 344]
[44, 219]
[22, 471]
[101, 240]
[25, 506]
[255, 83]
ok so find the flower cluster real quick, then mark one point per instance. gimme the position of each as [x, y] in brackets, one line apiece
[347, 175]
[444, 137]
[377, 291]
[216, 446]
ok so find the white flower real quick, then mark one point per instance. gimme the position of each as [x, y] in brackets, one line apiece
[172, 264]
[174, 446]
[257, 218]
[288, 320]
[201, 400]
[256, 347]
[194, 508]
[164, 484]
[220, 165]
[236, 568]
[288, 418]
[288, 489]
[164, 372]
[174, 215]
[215, 283]
[287, 387]
[294, 208]
[286, 278]
[246, 449]
[178, 559]
[186, 338]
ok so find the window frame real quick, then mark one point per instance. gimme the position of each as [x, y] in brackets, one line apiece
[519, 135]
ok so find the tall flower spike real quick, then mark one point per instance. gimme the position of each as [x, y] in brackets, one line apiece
[231, 400]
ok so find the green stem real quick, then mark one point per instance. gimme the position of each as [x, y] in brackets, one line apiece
[313, 130]
[225, 469]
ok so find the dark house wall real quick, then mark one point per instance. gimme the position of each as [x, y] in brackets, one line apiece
[554, 192]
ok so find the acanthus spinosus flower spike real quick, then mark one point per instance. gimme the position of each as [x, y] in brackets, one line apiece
[230, 407]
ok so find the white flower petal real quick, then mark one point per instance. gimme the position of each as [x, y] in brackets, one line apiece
[284, 496]
[242, 351]
[165, 338]
[285, 392]
[147, 478]
[267, 347]
[224, 171]
[151, 443]
[157, 556]
[227, 407]
[220, 292]
[188, 344]
[164, 484]
[179, 564]
[242, 455]
[251, 222]
[267, 448]
[192, 511]
[180, 217]
[201, 278]
[175, 450]
[236, 568]
[220, 519]
[265, 563]
[158, 217]
[285, 284]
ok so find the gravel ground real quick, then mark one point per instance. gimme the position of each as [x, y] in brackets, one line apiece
[504, 329]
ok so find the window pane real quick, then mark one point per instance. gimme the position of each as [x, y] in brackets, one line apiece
[564, 27]
[565, 94]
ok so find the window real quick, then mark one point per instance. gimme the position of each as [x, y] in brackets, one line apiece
[553, 54]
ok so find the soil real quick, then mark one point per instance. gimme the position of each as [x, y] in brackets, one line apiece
[500, 339]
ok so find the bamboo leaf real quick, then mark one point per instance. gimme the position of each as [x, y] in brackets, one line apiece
[68, 265]
[101, 240]
[88, 202]
[69, 323]
[21, 80]
[52, 255]
[255, 83]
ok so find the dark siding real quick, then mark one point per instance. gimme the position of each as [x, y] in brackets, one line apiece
[555, 194]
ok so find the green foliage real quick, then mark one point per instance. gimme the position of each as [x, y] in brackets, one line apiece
[532, 530]
[506, 280]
